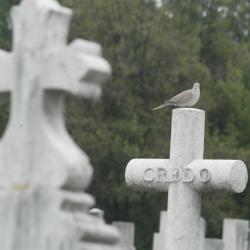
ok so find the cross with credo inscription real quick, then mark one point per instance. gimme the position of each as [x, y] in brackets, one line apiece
[185, 176]
[36, 148]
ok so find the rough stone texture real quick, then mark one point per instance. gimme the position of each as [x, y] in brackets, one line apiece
[42, 171]
[127, 230]
[235, 234]
[185, 176]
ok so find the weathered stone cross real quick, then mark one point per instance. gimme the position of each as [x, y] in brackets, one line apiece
[185, 175]
[42, 172]
[36, 148]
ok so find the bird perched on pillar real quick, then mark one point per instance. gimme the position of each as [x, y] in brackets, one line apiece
[185, 99]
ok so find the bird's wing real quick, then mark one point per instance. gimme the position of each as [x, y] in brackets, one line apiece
[183, 98]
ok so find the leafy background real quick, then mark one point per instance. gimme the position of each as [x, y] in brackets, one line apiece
[155, 52]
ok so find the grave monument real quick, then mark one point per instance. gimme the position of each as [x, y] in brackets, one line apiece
[185, 176]
[42, 172]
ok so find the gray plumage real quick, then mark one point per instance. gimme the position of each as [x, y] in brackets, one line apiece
[187, 98]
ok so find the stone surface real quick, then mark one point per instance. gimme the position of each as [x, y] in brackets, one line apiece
[158, 238]
[204, 244]
[202, 233]
[42, 171]
[185, 176]
[236, 234]
[213, 244]
[157, 241]
[127, 230]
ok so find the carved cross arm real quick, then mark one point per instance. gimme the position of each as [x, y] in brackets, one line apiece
[148, 174]
[218, 175]
[78, 69]
[200, 175]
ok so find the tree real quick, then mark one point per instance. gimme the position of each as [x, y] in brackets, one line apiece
[155, 53]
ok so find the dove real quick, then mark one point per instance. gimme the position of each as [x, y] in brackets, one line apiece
[187, 98]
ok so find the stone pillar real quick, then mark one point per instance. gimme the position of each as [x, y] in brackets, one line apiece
[184, 204]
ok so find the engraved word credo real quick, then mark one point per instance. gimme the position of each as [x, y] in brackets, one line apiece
[185, 175]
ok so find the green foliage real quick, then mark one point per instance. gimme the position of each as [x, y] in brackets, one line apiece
[155, 53]
[5, 23]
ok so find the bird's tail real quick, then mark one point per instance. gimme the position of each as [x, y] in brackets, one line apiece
[159, 107]
[166, 104]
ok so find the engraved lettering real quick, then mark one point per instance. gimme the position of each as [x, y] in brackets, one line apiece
[148, 175]
[205, 176]
[175, 175]
[162, 175]
[188, 175]
[185, 175]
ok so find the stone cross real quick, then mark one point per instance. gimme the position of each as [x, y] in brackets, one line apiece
[185, 176]
[38, 72]
[42, 171]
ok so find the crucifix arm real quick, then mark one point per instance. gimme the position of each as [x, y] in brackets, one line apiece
[148, 174]
[200, 175]
[219, 175]
[78, 69]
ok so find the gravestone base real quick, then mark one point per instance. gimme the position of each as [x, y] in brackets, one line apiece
[55, 220]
